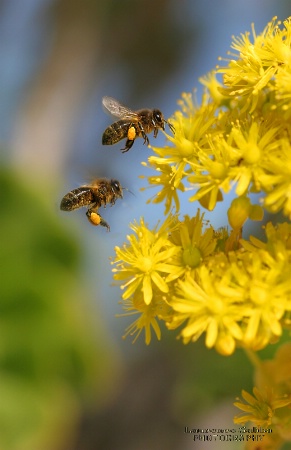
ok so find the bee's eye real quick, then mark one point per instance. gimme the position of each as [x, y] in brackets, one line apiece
[158, 116]
[115, 184]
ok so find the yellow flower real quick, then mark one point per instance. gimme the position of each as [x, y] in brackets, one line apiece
[209, 305]
[278, 242]
[277, 180]
[195, 245]
[148, 315]
[210, 173]
[254, 65]
[267, 290]
[214, 88]
[283, 91]
[166, 180]
[260, 407]
[143, 262]
[255, 143]
[278, 235]
[191, 128]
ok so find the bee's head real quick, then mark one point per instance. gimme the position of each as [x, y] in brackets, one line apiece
[116, 188]
[158, 119]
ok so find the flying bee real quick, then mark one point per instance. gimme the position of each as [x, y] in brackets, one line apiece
[99, 193]
[132, 124]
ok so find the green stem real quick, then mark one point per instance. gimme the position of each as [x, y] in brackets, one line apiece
[253, 357]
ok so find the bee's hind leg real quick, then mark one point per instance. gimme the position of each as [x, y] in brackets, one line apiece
[95, 219]
[128, 145]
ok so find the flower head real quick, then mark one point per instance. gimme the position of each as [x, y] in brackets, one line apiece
[191, 127]
[209, 305]
[166, 179]
[260, 407]
[145, 260]
[266, 298]
[277, 179]
[148, 315]
[255, 64]
[195, 242]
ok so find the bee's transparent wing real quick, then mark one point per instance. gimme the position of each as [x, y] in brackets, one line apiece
[117, 109]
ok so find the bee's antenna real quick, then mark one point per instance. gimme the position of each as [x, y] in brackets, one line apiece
[125, 189]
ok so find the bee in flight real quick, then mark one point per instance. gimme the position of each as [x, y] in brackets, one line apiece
[99, 193]
[132, 124]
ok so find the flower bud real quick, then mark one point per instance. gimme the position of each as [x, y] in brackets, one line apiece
[239, 212]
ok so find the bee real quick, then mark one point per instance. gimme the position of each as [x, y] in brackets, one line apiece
[132, 124]
[99, 193]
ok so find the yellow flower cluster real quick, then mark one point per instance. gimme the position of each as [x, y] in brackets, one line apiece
[239, 135]
[183, 272]
[180, 274]
[149, 265]
[212, 283]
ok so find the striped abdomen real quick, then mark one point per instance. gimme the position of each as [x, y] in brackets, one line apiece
[117, 131]
[82, 196]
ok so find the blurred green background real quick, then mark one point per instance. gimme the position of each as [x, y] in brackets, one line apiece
[67, 379]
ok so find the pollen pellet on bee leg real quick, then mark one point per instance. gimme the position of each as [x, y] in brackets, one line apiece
[131, 134]
[94, 218]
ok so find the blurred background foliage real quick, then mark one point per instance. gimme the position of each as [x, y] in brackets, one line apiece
[67, 380]
[53, 358]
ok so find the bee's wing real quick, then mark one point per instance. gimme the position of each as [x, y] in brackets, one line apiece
[117, 109]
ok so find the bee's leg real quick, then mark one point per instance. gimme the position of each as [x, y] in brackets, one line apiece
[103, 223]
[128, 145]
[131, 135]
[146, 139]
[156, 130]
[95, 219]
[142, 132]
